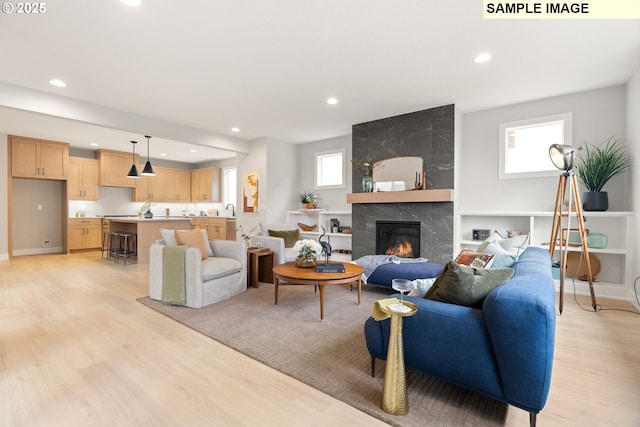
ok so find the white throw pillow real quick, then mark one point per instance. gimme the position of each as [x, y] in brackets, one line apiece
[422, 286]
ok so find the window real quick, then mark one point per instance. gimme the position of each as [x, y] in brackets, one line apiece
[524, 145]
[230, 186]
[329, 167]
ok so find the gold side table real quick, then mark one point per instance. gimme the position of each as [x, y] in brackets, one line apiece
[394, 392]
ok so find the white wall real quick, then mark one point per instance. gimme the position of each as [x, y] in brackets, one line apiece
[330, 199]
[597, 115]
[4, 202]
[275, 163]
[633, 136]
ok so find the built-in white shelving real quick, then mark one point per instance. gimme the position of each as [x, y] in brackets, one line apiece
[322, 218]
[612, 280]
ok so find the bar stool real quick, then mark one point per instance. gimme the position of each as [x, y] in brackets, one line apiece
[105, 245]
[127, 246]
[114, 245]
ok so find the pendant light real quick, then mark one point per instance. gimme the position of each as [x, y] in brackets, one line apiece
[148, 169]
[133, 172]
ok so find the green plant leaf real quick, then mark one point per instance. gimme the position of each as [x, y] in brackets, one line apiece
[601, 163]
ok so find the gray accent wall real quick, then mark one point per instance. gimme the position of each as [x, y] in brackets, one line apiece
[428, 134]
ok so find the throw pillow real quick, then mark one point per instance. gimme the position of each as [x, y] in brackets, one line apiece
[169, 237]
[474, 259]
[468, 286]
[501, 257]
[192, 238]
[422, 287]
[514, 245]
[290, 236]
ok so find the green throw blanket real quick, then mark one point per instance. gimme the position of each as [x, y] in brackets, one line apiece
[173, 281]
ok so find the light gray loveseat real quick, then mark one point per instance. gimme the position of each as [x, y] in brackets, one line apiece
[209, 280]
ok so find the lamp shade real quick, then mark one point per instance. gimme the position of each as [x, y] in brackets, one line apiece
[133, 172]
[148, 169]
[562, 156]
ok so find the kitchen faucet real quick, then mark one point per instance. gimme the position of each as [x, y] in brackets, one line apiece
[233, 209]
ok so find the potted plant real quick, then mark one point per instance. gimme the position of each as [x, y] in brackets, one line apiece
[308, 199]
[599, 164]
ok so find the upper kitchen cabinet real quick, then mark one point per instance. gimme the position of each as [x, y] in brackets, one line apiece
[36, 158]
[82, 183]
[177, 185]
[150, 188]
[205, 185]
[113, 167]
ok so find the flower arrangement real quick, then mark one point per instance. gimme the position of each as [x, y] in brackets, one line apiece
[306, 248]
[146, 207]
[246, 237]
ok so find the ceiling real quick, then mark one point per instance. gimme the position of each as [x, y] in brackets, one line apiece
[187, 72]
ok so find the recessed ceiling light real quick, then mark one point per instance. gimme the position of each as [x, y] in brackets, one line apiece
[193, 151]
[93, 144]
[332, 101]
[235, 129]
[57, 83]
[163, 154]
[481, 58]
[132, 3]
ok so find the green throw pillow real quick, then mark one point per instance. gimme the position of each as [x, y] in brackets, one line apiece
[290, 236]
[468, 286]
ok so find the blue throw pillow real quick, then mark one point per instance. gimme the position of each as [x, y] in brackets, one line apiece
[501, 257]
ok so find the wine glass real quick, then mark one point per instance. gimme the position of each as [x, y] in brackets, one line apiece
[402, 286]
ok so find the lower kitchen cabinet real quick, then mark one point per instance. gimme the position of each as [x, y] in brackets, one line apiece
[84, 233]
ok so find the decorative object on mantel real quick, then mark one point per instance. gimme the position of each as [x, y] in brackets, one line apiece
[402, 173]
[598, 166]
[306, 251]
[305, 227]
[367, 178]
[308, 199]
[133, 172]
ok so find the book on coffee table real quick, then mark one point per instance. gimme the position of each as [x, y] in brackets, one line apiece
[329, 268]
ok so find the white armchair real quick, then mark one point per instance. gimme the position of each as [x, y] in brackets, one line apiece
[207, 280]
[276, 244]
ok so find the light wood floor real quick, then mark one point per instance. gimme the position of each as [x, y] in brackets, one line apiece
[76, 349]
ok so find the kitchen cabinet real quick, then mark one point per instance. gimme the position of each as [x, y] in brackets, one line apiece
[82, 181]
[35, 158]
[113, 167]
[205, 185]
[217, 228]
[177, 185]
[84, 233]
[150, 187]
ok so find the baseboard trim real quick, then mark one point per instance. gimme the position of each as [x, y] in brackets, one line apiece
[38, 251]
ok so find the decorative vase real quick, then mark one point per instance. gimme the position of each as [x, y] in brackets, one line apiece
[367, 180]
[305, 262]
[148, 214]
[595, 201]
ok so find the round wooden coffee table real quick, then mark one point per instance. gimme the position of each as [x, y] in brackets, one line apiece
[289, 274]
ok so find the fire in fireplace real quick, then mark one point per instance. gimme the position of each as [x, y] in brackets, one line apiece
[400, 238]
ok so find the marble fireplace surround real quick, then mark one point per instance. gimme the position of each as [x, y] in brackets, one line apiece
[427, 134]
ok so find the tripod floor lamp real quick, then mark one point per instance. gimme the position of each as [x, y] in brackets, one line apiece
[563, 157]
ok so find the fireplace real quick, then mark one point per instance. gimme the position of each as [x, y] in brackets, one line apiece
[400, 238]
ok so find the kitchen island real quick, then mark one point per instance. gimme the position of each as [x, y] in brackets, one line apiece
[147, 229]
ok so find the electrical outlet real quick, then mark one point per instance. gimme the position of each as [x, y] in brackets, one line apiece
[46, 243]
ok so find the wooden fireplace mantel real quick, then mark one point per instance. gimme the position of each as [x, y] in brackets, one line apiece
[409, 196]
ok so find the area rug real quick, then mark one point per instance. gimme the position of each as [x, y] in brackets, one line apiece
[330, 355]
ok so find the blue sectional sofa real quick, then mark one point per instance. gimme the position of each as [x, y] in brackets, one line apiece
[503, 350]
